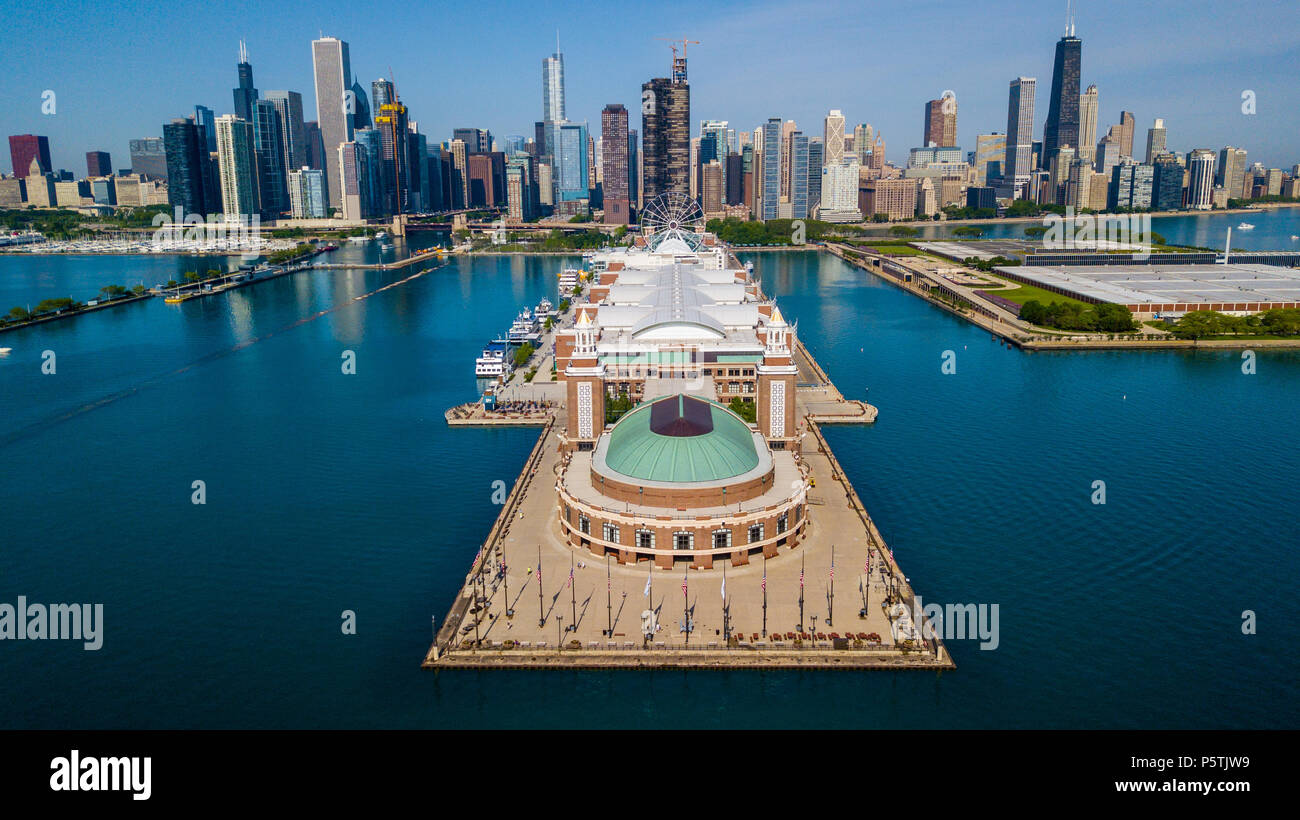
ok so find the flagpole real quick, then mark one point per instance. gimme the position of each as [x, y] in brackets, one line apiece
[830, 613]
[478, 574]
[801, 562]
[765, 595]
[541, 610]
[609, 601]
[726, 626]
[686, 600]
[573, 595]
[505, 582]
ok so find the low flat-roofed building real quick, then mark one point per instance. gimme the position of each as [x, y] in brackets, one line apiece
[1147, 290]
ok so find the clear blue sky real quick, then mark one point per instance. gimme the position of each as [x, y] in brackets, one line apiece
[119, 71]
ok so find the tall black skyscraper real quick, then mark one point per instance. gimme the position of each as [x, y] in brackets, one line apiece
[186, 146]
[1062, 126]
[666, 133]
[268, 145]
[246, 94]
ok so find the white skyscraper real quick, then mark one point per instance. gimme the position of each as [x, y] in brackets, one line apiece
[332, 69]
[1088, 124]
[834, 138]
[1200, 179]
[840, 191]
[553, 86]
[237, 163]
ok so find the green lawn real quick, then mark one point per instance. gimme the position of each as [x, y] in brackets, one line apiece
[1023, 293]
[887, 248]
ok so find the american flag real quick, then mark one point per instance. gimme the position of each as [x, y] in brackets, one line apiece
[801, 578]
[570, 583]
[832, 569]
[765, 580]
[684, 592]
[539, 573]
[866, 568]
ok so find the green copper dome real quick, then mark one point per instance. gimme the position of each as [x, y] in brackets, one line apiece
[681, 439]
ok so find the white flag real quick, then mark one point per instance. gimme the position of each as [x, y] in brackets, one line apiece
[724, 589]
[647, 586]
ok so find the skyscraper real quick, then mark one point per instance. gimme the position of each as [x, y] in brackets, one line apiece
[148, 156]
[98, 164]
[1062, 127]
[268, 144]
[633, 169]
[1232, 170]
[833, 139]
[332, 69]
[1020, 133]
[245, 94]
[372, 197]
[712, 145]
[1167, 183]
[614, 156]
[863, 137]
[990, 153]
[237, 161]
[553, 86]
[360, 108]
[1127, 124]
[354, 170]
[1156, 139]
[571, 170]
[1088, 124]
[1200, 179]
[665, 136]
[816, 159]
[204, 118]
[382, 93]
[940, 128]
[315, 145]
[307, 194]
[391, 123]
[288, 104]
[770, 189]
[23, 148]
[187, 158]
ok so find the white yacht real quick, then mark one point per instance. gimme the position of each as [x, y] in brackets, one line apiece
[493, 361]
[1245, 226]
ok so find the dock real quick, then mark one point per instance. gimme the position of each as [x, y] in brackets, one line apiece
[834, 601]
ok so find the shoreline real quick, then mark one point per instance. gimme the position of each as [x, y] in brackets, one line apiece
[980, 316]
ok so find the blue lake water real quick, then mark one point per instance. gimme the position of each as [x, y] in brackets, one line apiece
[1272, 231]
[328, 492]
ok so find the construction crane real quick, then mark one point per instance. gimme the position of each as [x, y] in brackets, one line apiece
[679, 63]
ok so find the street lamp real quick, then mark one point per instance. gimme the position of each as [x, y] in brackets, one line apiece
[559, 631]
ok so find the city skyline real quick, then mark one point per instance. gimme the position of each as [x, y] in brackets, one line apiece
[1198, 95]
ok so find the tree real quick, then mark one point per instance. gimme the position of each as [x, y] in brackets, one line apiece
[903, 230]
[523, 354]
[747, 410]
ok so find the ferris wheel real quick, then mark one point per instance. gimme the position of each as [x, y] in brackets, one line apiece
[672, 215]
